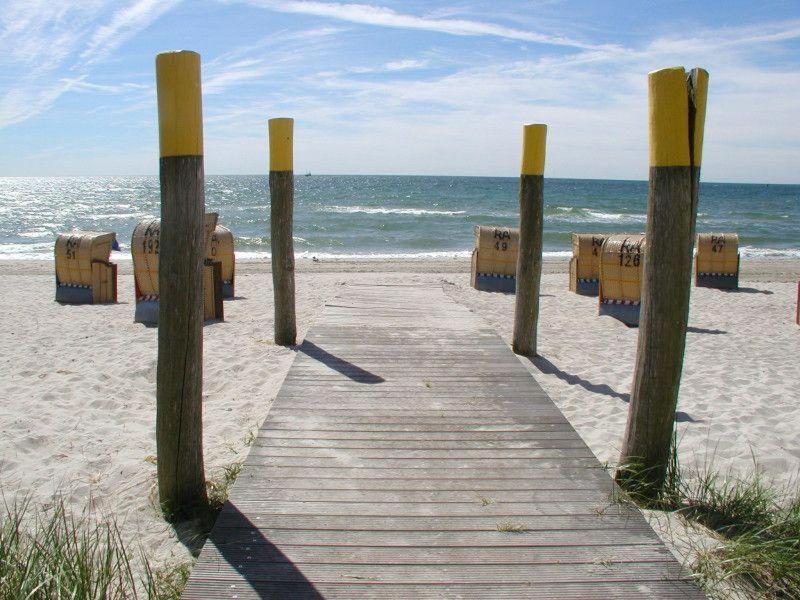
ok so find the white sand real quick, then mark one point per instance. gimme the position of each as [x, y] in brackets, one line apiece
[78, 410]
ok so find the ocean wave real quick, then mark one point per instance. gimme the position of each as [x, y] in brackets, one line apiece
[432, 255]
[752, 252]
[580, 214]
[36, 252]
[601, 216]
[369, 210]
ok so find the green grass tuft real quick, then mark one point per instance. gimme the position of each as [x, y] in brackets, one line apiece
[53, 554]
[757, 525]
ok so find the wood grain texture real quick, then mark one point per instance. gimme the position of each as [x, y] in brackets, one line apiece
[179, 382]
[413, 479]
[529, 264]
[663, 319]
[281, 189]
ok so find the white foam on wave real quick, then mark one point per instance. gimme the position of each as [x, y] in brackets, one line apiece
[36, 252]
[370, 210]
[438, 255]
[611, 217]
[751, 252]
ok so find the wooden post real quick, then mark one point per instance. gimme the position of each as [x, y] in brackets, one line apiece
[179, 385]
[529, 257]
[677, 117]
[281, 190]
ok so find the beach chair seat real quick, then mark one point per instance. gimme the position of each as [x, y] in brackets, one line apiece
[145, 250]
[716, 262]
[584, 266]
[84, 272]
[620, 284]
[494, 259]
[220, 248]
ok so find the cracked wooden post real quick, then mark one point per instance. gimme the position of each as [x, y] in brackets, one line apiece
[281, 190]
[529, 257]
[677, 117]
[179, 381]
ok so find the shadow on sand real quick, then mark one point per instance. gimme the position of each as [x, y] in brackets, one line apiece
[747, 290]
[548, 368]
[702, 330]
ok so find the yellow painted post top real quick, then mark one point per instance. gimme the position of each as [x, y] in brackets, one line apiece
[281, 154]
[533, 149]
[700, 83]
[180, 111]
[669, 118]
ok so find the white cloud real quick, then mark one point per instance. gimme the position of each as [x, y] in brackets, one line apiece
[368, 14]
[595, 102]
[123, 25]
[41, 40]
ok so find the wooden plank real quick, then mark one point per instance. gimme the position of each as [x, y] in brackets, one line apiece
[231, 537]
[266, 552]
[409, 454]
[212, 587]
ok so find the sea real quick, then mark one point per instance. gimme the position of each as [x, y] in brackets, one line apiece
[385, 217]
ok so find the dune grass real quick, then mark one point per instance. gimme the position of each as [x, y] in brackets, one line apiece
[755, 523]
[53, 554]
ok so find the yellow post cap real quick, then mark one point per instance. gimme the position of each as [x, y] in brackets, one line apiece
[281, 131]
[533, 148]
[180, 112]
[699, 79]
[669, 118]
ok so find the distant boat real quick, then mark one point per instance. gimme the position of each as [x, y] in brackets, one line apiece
[308, 174]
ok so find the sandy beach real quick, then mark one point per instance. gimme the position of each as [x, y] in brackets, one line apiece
[78, 414]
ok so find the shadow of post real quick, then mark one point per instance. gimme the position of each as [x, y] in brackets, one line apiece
[746, 290]
[245, 548]
[703, 330]
[341, 365]
[548, 368]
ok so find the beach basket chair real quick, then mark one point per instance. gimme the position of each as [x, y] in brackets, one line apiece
[584, 266]
[145, 252]
[716, 263]
[620, 286]
[494, 259]
[220, 248]
[84, 273]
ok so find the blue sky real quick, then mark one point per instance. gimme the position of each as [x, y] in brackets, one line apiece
[407, 87]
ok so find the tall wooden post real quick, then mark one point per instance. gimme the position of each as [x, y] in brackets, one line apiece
[281, 190]
[677, 117]
[179, 385]
[529, 257]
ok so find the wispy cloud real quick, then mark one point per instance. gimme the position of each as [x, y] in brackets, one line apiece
[368, 14]
[595, 102]
[393, 66]
[125, 23]
[41, 40]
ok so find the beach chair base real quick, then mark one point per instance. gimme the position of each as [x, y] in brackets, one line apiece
[586, 287]
[146, 312]
[721, 281]
[102, 291]
[627, 313]
[74, 294]
[488, 282]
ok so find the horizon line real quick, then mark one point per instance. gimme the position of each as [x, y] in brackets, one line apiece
[308, 173]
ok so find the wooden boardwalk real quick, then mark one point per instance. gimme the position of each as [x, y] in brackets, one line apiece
[409, 454]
